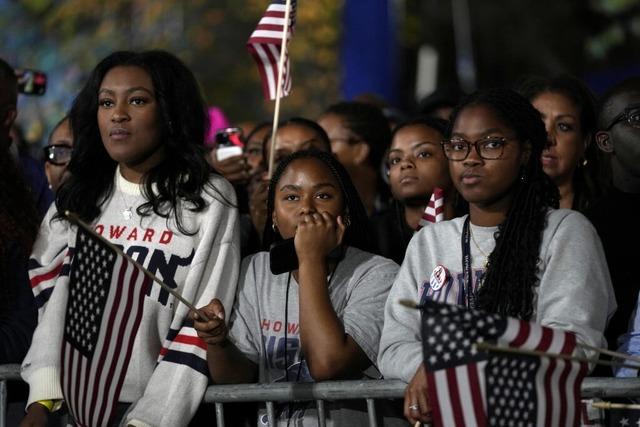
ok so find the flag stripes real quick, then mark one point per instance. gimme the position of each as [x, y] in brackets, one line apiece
[468, 387]
[106, 299]
[434, 212]
[265, 43]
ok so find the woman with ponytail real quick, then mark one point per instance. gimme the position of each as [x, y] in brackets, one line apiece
[525, 258]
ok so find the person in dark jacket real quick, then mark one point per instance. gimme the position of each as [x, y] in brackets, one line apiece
[18, 229]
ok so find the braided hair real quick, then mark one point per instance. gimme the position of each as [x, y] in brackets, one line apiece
[509, 282]
[357, 233]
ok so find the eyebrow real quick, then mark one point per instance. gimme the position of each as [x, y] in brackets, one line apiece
[128, 91]
[485, 133]
[318, 186]
[567, 115]
[290, 187]
[416, 145]
[308, 142]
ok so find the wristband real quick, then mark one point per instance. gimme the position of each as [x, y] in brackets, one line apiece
[51, 405]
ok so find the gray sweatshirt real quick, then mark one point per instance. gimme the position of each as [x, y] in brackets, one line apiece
[358, 290]
[574, 292]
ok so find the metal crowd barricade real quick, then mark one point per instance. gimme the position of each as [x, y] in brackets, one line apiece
[318, 392]
[330, 390]
[7, 373]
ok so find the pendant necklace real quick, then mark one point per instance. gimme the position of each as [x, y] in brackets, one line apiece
[127, 212]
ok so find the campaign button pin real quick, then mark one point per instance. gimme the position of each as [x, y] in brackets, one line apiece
[438, 277]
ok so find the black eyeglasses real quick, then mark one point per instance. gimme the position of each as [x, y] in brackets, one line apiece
[488, 148]
[58, 154]
[631, 114]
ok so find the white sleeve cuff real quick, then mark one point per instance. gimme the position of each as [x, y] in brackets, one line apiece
[44, 384]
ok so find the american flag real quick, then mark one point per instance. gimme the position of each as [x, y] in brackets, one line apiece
[434, 212]
[468, 387]
[106, 297]
[265, 43]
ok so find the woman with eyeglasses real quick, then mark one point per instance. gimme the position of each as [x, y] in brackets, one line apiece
[514, 254]
[360, 135]
[57, 153]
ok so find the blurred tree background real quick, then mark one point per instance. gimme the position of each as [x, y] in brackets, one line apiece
[593, 39]
[66, 38]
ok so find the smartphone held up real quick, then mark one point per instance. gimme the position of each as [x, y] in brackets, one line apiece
[31, 82]
[228, 143]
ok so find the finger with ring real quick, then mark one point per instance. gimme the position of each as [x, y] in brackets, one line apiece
[414, 407]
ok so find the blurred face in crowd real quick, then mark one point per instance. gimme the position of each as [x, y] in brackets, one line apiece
[307, 186]
[292, 138]
[623, 136]
[253, 149]
[58, 154]
[565, 141]
[7, 109]
[417, 163]
[480, 181]
[348, 148]
[128, 118]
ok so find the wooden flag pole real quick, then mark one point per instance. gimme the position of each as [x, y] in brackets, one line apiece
[609, 352]
[74, 218]
[610, 405]
[490, 347]
[276, 112]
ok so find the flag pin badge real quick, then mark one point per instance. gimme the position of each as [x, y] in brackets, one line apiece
[438, 278]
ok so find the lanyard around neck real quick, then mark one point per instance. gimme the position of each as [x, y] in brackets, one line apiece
[469, 296]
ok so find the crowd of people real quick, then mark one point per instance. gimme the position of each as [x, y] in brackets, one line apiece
[297, 270]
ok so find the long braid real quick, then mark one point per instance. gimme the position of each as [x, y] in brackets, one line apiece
[511, 274]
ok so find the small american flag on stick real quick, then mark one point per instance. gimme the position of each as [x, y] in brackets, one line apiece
[434, 212]
[265, 43]
[106, 297]
[469, 387]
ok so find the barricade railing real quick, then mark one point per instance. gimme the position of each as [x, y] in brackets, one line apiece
[369, 390]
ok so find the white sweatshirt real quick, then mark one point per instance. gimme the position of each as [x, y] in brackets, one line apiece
[167, 374]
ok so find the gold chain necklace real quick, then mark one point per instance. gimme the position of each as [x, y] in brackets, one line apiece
[484, 254]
